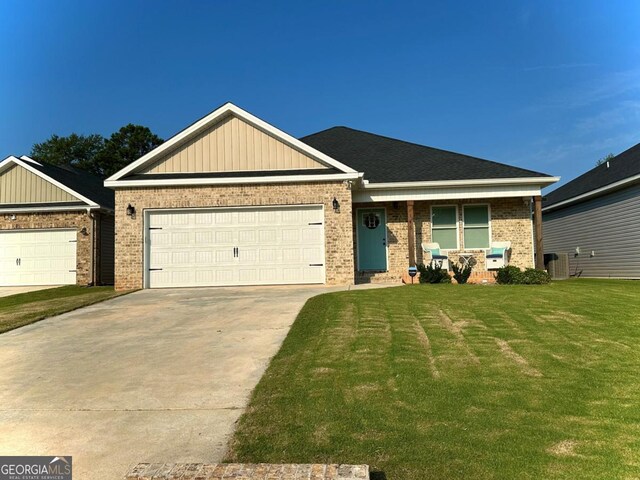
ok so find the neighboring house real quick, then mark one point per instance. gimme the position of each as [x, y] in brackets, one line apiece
[595, 219]
[56, 225]
[232, 200]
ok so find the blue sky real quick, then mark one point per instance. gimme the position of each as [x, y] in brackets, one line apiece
[546, 85]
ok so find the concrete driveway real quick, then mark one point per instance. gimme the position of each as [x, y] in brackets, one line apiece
[157, 375]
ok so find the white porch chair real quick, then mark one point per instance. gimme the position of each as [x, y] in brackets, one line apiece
[434, 250]
[498, 255]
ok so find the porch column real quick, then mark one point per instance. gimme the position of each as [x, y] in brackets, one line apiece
[537, 224]
[411, 234]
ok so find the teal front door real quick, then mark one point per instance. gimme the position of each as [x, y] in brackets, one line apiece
[372, 239]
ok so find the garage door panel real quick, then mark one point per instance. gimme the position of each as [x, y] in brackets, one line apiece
[247, 237]
[223, 218]
[202, 218]
[224, 236]
[291, 235]
[291, 255]
[224, 257]
[247, 217]
[205, 237]
[237, 246]
[38, 257]
[312, 255]
[224, 277]
[248, 255]
[266, 236]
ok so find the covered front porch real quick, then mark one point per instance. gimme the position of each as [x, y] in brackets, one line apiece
[388, 234]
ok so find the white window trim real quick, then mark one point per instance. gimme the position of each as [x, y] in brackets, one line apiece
[457, 227]
[386, 237]
[464, 222]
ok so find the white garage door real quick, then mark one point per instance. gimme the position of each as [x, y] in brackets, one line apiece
[37, 257]
[235, 246]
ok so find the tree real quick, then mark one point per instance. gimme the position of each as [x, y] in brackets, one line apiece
[125, 146]
[76, 150]
[605, 159]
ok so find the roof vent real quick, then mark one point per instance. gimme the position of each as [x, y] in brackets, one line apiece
[607, 163]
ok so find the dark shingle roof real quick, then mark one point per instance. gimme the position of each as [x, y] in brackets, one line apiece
[384, 159]
[85, 183]
[624, 165]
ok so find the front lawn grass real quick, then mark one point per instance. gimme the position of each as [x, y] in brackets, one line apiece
[457, 382]
[25, 308]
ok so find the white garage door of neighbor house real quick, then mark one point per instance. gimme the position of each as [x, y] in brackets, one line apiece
[37, 257]
[235, 246]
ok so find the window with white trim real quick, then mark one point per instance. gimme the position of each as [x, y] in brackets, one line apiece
[444, 227]
[476, 226]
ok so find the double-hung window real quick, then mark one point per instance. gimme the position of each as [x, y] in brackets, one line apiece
[444, 227]
[476, 226]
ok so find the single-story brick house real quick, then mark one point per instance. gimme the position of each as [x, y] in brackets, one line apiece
[233, 200]
[595, 219]
[56, 225]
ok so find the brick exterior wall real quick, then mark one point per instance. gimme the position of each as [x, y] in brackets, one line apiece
[130, 230]
[75, 220]
[510, 221]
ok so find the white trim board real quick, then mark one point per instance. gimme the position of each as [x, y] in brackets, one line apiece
[534, 181]
[26, 164]
[51, 208]
[213, 118]
[446, 193]
[232, 180]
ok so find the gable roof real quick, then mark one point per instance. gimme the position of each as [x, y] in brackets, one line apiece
[621, 168]
[85, 186]
[389, 160]
[120, 177]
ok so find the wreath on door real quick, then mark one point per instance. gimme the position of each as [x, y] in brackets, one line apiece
[371, 220]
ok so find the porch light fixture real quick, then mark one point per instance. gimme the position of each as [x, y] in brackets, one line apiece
[336, 205]
[131, 210]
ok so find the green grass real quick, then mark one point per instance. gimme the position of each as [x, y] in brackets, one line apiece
[25, 308]
[457, 382]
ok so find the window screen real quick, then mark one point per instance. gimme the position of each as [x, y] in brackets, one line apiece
[443, 227]
[476, 226]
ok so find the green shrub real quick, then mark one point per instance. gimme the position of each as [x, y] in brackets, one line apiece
[461, 273]
[507, 275]
[532, 276]
[433, 273]
[511, 275]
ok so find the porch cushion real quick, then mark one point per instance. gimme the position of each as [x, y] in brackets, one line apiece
[434, 252]
[497, 251]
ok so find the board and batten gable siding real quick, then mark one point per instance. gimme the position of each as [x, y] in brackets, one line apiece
[608, 225]
[19, 185]
[232, 145]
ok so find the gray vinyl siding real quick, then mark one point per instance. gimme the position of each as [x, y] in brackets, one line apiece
[607, 225]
